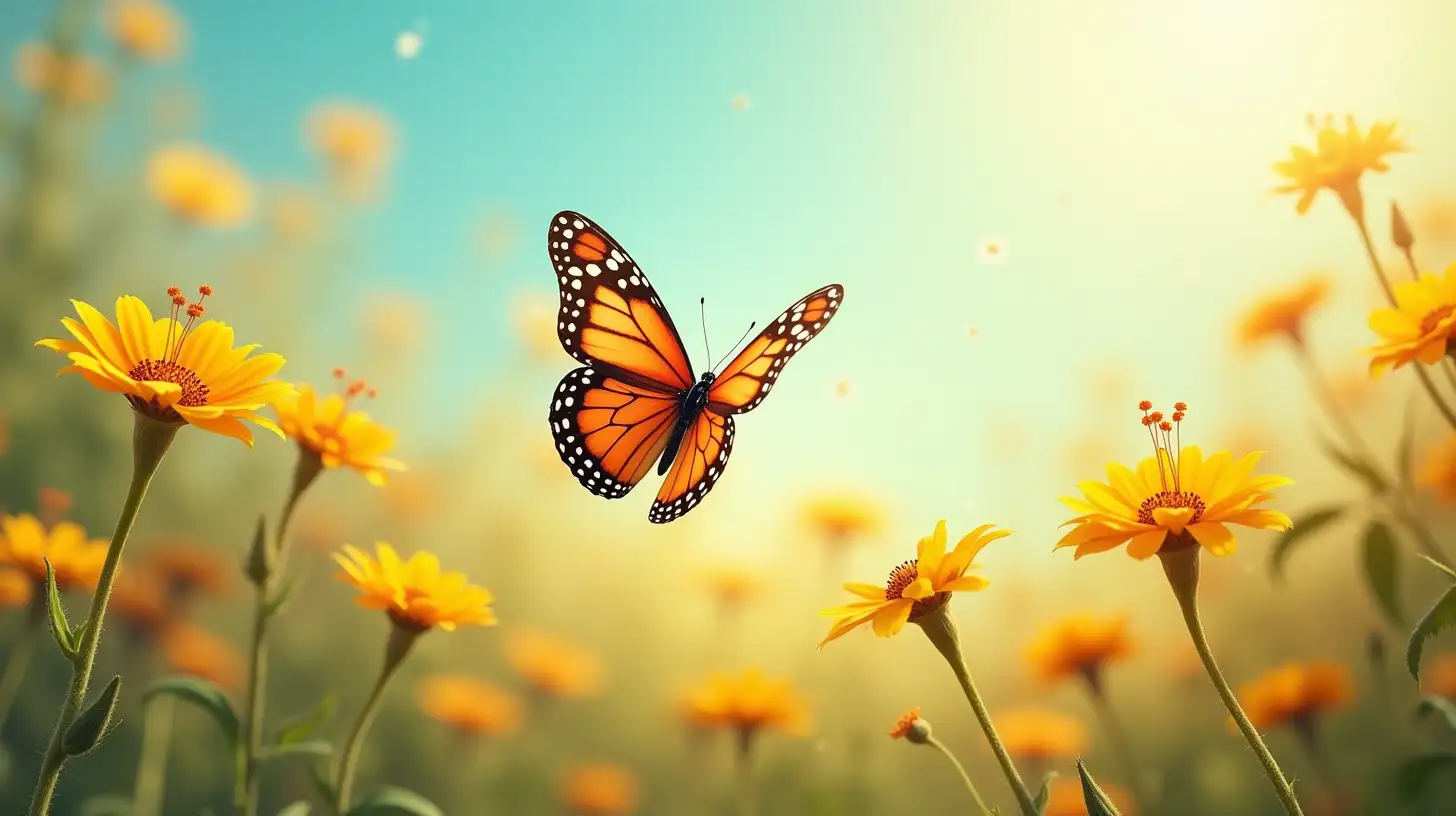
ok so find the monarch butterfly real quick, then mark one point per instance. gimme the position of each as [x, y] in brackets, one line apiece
[634, 400]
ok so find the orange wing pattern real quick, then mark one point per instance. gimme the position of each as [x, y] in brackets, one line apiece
[608, 431]
[744, 383]
[610, 314]
[699, 463]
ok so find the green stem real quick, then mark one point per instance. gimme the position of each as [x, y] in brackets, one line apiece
[1308, 733]
[960, 769]
[1180, 564]
[940, 628]
[152, 768]
[746, 792]
[20, 653]
[150, 441]
[400, 641]
[1117, 735]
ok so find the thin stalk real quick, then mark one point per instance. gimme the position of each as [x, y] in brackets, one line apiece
[152, 767]
[940, 628]
[400, 641]
[20, 653]
[960, 769]
[1121, 745]
[150, 441]
[1308, 732]
[746, 793]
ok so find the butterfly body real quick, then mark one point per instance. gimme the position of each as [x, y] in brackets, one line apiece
[634, 401]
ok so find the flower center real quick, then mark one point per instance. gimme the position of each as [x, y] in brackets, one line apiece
[1434, 318]
[901, 577]
[194, 391]
[1169, 499]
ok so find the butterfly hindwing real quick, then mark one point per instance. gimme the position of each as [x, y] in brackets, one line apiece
[696, 468]
[608, 431]
[744, 383]
[610, 314]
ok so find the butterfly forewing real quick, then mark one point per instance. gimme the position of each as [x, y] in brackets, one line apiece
[696, 468]
[608, 431]
[744, 383]
[610, 314]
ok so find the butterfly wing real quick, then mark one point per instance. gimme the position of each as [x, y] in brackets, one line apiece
[609, 431]
[696, 468]
[610, 314]
[744, 383]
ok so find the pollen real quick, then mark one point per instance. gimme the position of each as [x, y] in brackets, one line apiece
[1170, 500]
[901, 577]
[194, 391]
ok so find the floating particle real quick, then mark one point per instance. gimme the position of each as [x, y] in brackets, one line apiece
[741, 101]
[972, 332]
[843, 387]
[408, 44]
[992, 250]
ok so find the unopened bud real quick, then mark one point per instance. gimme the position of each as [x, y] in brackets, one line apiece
[94, 723]
[259, 566]
[919, 732]
[1400, 231]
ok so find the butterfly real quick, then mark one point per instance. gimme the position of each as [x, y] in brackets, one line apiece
[634, 402]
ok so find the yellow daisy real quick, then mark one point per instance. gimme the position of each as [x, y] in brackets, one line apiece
[1173, 499]
[1338, 161]
[338, 436]
[1283, 313]
[416, 594]
[1419, 327]
[199, 186]
[27, 545]
[170, 371]
[917, 586]
[748, 704]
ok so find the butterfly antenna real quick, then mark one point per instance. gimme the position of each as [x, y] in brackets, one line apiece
[703, 313]
[735, 345]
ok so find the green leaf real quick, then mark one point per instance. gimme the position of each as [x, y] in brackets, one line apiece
[1436, 620]
[205, 695]
[1439, 705]
[94, 722]
[395, 800]
[1355, 466]
[1096, 801]
[1044, 794]
[1304, 527]
[1405, 450]
[314, 748]
[321, 784]
[1382, 569]
[300, 727]
[297, 809]
[60, 628]
[107, 804]
[1416, 773]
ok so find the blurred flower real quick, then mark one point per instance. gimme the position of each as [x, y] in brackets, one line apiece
[1436, 220]
[340, 437]
[189, 570]
[26, 545]
[1172, 495]
[533, 315]
[1282, 313]
[16, 588]
[1438, 675]
[139, 598]
[53, 503]
[172, 372]
[1296, 694]
[731, 586]
[552, 665]
[470, 706]
[407, 44]
[357, 143]
[1338, 162]
[1419, 327]
[1040, 735]
[1066, 799]
[915, 587]
[1438, 470]
[905, 723]
[146, 29]
[1079, 645]
[416, 594]
[199, 187]
[747, 704]
[293, 213]
[600, 790]
[191, 650]
[74, 79]
[840, 517]
[992, 251]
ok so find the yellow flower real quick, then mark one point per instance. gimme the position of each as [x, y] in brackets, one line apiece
[146, 29]
[731, 586]
[839, 517]
[1039, 735]
[598, 789]
[1338, 162]
[1172, 498]
[905, 723]
[1079, 645]
[191, 650]
[199, 186]
[416, 594]
[1296, 694]
[747, 704]
[339, 436]
[470, 706]
[1438, 470]
[170, 371]
[1283, 313]
[917, 586]
[73, 79]
[15, 588]
[1438, 675]
[1419, 327]
[1067, 800]
[552, 665]
[26, 545]
[357, 142]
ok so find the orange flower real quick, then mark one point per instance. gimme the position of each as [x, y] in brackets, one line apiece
[552, 665]
[470, 706]
[357, 143]
[26, 545]
[16, 589]
[1438, 470]
[199, 187]
[1283, 313]
[73, 79]
[1066, 799]
[189, 570]
[193, 651]
[1438, 675]
[1338, 162]
[747, 704]
[416, 594]
[1039, 735]
[139, 599]
[53, 505]
[905, 723]
[170, 371]
[146, 29]
[600, 790]
[1420, 325]
[340, 437]
[1296, 694]
[1079, 645]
